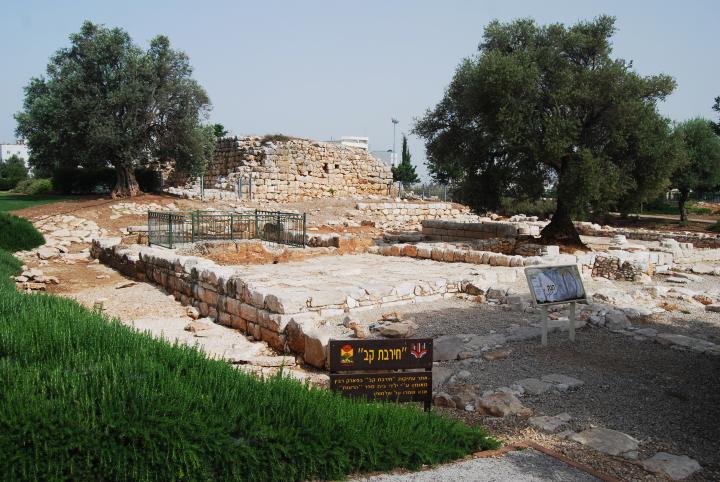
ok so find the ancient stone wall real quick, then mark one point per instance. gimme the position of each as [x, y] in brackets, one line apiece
[440, 230]
[698, 240]
[409, 212]
[295, 169]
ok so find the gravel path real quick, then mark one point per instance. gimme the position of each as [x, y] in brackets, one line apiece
[518, 466]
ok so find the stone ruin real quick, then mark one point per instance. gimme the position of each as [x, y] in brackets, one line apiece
[287, 169]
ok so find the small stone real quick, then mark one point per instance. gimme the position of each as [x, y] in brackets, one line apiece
[98, 304]
[21, 279]
[443, 399]
[677, 280]
[533, 386]
[715, 308]
[605, 440]
[392, 316]
[616, 320]
[677, 467]
[125, 284]
[272, 361]
[549, 424]
[192, 312]
[502, 404]
[402, 329]
[703, 299]
[196, 326]
[496, 354]
[558, 379]
[102, 276]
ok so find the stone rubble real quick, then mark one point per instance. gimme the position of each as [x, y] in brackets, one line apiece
[675, 467]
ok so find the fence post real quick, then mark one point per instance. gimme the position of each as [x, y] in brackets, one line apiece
[231, 225]
[445, 192]
[304, 232]
[149, 230]
[256, 236]
[278, 227]
[239, 187]
[250, 194]
[170, 233]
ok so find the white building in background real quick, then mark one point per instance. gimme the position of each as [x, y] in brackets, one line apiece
[17, 148]
[388, 157]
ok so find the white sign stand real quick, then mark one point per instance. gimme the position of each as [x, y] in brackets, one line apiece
[579, 296]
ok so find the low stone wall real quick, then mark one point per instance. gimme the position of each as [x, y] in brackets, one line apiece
[698, 240]
[441, 230]
[288, 318]
[408, 212]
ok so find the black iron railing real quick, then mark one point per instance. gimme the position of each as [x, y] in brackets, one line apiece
[169, 229]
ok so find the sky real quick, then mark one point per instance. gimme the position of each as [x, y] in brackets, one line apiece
[325, 69]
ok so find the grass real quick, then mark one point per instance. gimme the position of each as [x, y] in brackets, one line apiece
[667, 208]
[18, 233]
[12, 201]
[87, 398]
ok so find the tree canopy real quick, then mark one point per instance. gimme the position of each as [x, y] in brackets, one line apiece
[542, 106]
[105, 101]
[405, 171]
[699, 170]
[12, 171]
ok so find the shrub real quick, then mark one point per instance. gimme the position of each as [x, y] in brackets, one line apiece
[541, 208]
[34, 187]
[714, 227]
[18, 234]
[76, 180]
[275, 138]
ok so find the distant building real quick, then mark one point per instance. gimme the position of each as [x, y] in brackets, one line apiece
[17, 148]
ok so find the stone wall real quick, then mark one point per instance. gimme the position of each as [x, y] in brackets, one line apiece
[408, 212]
[440, 230]
[698, 240]
[294, 169]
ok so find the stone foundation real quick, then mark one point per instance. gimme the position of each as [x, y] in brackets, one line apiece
[408, 212]
[698, 240]
[279, 305]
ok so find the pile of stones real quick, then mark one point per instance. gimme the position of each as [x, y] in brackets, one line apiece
[34, 280]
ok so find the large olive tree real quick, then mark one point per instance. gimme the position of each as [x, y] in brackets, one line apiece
[106, 101]
[542, 106]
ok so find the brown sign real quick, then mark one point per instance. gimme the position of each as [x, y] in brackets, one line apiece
[352, 355]
[378, 355]
[399, 387]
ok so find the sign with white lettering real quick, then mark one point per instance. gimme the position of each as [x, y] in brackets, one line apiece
[555, 284]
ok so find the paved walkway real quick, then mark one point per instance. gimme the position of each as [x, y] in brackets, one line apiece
[518, 466]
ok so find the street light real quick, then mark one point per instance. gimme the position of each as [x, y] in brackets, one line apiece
[395, 122]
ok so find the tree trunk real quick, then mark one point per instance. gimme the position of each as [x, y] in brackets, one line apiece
[682, 200]
[126, 184]
[561, 229]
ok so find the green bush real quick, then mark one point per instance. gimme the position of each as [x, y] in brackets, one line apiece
[541, 208]
[714, 227]
[75, 180]
[34, 187]
[86, 398]
[18, 234]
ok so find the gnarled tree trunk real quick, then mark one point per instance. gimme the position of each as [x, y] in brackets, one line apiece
[682, 205]
[561, 229]
[126, 184]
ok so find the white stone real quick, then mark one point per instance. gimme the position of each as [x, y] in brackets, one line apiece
[550, 424]
[605, 440]
[677, 467]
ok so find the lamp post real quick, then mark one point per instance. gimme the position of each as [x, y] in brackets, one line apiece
[395, 123]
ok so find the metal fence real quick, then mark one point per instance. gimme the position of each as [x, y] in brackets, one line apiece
[169, 229]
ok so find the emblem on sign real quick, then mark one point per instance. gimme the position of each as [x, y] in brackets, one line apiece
[346, 355]
[418, 350]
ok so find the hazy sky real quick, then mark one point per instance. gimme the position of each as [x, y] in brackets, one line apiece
[323, 69]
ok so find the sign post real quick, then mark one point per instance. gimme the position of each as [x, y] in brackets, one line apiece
[555, 285]
[395, 370]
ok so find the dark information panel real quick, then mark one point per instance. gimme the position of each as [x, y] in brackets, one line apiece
[400, 387]
[351, 355]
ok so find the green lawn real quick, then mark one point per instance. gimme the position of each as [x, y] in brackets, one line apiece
[87, 398]
[12, 202]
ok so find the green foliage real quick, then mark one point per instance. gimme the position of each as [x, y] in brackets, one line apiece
[85, 398]
[405, 171]
[34, 187]
[12, 171]
[544, 105]
[79, 180]
[714, 227]
[542, 208]
[18, 234]
[275, 138]
[105, 101]
[701, 170]
[219, 130]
